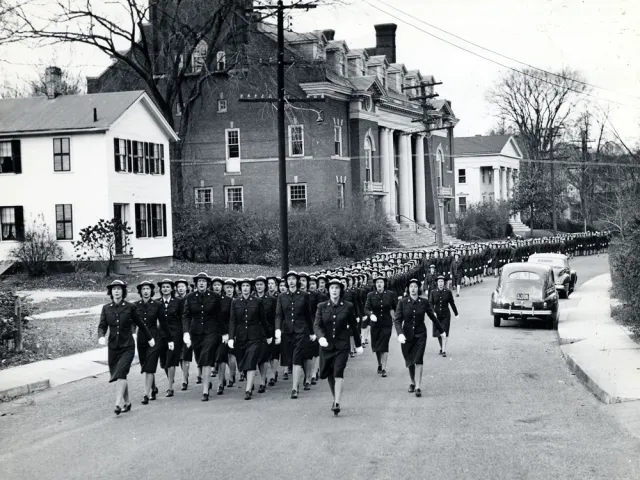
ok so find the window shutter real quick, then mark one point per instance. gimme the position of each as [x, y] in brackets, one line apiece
[116, 153]
[138, 223]
[19, 216]
[135, 160]
[145, 155]
[164, 219]
[162, 159]
[149, 220]
[129, 157]
[17, 156]
[148, 153]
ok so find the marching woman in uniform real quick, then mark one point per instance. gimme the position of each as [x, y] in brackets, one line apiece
[222, 355]
[335, 324]
[249, 334]
[274, 348]
[119, 318]
[378, 307]
[182, 290]
[171, 311]
[225, 313]
[440, 299]
[457, 272]
[150, 312]
[269, 304]
[202, 325]
[412, 332]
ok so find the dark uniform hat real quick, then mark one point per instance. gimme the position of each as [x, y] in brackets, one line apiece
[377, 276]
[203, 276]
[230, 281]
[146, 283]
[432, 266]
[303, 275]
[260, 278]
[292, 273]
[414, 280]
[116, 283]
[440, 277]
[217, 279]
[245, 280]
[166, 281]
[336, 281]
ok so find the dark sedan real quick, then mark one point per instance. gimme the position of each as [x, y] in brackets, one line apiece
[525, 290]
[565, 278]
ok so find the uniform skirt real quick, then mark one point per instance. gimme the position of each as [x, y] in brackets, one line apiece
[222, 355]
[413, 350]
[274, 350]
[171, 358]
[149, 356]
[205, 348]
[119, 360]
[380, 338]
[293, 348]
[446, 323]
[187, 353]
[333, 362]
[249, 354]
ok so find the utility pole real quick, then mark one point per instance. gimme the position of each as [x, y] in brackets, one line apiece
[280, 101]
[554, 133]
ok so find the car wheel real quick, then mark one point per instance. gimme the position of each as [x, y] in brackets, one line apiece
[552, 323]
[496, 320]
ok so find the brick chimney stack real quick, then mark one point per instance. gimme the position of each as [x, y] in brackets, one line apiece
[52, 80]
[386, 40]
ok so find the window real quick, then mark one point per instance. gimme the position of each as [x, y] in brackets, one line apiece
[120, 154]
[233, 198]
[233, 143]
[142, 227]
[204, 197]
[138, 158]
[151, 220]
[462, 205]
[489, 176]
[298, 196]
[341, 196]
[221, 61]
[222, 106]
[11, 223]
[64, 222]
[368, 157]
[61, 158]
[154, 154]
[157, 220]
[462, 175]
[198, 57]
[524, 276]
[337, 141]
[296, 140]
[10, 157]
[440, 161]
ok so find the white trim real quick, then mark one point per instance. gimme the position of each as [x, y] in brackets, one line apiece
[337, 129]
[226, 195]
[291, 140]
[306, 194]
[155, 113]
[226, 149]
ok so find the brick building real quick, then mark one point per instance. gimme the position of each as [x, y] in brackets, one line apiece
[357, 135]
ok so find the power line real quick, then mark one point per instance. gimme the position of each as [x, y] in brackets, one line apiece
[491, 60]
[502, 55]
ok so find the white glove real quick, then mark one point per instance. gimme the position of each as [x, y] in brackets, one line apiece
[443, 334]
[152, 342]
[278, 341]
[358, 319]
[457, 317]
[373, 318]
[269, 340]
[312, 338]
[278, 334]
[170, 345]
[102, 341]
[186, 338]
[402, 338]
[225, 338]
[323, 342]
[231, 343]
[359, 350]
[135, 337]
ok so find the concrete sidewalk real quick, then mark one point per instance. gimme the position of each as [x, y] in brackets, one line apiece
[36, 376]
[596, 348]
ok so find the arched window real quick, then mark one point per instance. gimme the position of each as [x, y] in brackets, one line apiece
[368, 160]
[199, 56]
[440, 165]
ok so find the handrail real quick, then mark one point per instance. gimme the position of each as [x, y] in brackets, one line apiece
[417, 226]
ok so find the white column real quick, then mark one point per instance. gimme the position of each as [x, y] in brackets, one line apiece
[406, 179]
[509, 183]
[496, 183]
[503, 183]
[385, 164]
[421, 187]
[392, 174]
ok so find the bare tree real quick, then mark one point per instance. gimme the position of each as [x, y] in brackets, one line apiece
[537, 104]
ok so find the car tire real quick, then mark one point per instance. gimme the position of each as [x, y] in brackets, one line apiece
[552, 323]
[496, 320]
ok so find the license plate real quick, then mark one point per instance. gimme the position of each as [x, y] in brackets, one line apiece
[522, 296]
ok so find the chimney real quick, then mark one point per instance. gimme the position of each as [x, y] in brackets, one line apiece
[386, 41]
[52, 80]
[329, 34]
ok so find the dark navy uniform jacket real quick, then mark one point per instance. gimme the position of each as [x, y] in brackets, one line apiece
[440, 301]
[172, 314]
[293, 313]
[201, 314]
[409, 317]
[120, 320]
[248, 322]
[151, 314]
[380, 305]
[337, 323]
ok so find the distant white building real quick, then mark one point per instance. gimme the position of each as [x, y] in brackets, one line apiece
[80, 158]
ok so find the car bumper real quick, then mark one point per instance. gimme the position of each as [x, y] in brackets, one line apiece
[521, 312]
[560, 287]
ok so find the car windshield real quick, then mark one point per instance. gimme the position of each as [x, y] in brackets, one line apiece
[512, 287]
[524, 276]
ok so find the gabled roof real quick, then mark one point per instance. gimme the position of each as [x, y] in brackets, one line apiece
[397, 67]
[71, 113]
[358, 52]
[377, 60]
[337, 45]
[481, 144]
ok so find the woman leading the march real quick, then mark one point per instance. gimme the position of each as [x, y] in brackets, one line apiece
[171, 311]
[412, 332]
[378, 307]
[335, 324]
[119, 317]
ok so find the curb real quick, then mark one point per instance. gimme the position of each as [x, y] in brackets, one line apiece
[24, 389]
[587, 381]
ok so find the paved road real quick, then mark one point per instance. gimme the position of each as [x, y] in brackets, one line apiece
[502, 405]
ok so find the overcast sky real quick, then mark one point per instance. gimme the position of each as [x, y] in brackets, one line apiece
[600, 39]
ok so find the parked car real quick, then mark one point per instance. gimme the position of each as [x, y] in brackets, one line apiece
[525, 290]
[566, 279]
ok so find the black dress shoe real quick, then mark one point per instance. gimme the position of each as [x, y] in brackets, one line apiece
[230, 383]
[444, 354]
[205, 397]
[169, 393]
[184, 386]
[285, 375]
[145, 400]
[198, 380]
[275, 378]
[262, 389]
[153, 395]
[336, 408]
[214, 373]
[418, 392]
[117, 410]
[412, 388]
[307, 386]
[294, 394]
[313, 381]
[379, 368]
[126, 408]
[247, 395]
[272, 382]
[242, 377]
[220, 390]
[384, 373]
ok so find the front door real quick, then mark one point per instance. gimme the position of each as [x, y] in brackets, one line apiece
[119, 214]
